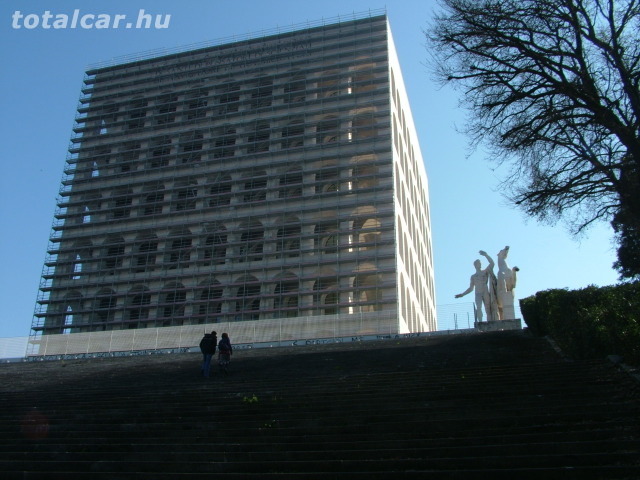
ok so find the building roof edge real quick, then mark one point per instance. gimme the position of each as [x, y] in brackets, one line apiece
[164, 53]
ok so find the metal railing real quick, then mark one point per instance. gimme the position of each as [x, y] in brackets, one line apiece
[13, 348]
[185, 337]
[286, 331]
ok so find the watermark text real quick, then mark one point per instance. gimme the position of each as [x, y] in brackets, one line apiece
[87, 21]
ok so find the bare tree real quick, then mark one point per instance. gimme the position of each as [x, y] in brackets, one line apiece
[552, 87]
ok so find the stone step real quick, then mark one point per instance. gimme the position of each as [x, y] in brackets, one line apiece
[620, 431]
[488, 406]
[279, 430]
[176, 463]
[295, 452]
[562, 473]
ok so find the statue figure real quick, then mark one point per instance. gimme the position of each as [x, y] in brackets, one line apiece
[506, 284]
[484, 282]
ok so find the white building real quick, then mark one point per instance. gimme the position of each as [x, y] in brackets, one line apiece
[270, 178]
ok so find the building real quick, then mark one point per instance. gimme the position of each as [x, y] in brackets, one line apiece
[275, 177]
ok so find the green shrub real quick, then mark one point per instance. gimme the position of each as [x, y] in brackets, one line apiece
[588, 323]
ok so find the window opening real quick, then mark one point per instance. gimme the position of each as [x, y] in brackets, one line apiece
[229, 98]
[294, 90]
[167, 106]
[137, 114]
[256, 188]
[258, 140]
[262, 93]
[292, 135]
[220, 191]
[251, 242]
[197, 104]
[191, 145]
[225, 143]
[247, 305]
[291, 184]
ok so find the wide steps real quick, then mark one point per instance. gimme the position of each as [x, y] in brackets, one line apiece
[494, 406]
[564, 473]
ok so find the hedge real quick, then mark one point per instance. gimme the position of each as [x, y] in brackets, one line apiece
[589, 323]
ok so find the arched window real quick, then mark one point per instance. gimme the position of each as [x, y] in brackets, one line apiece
[251, 241]
[95, 169]
[225, 141]
[363, 79]
[295, 89]
[326, 294]
[86, 214]
[229, 96]
[72, 310]
[173, 298]
[219, 190]
[77, 267]
[288, 238]
[327, 179]
[185, 194]
[262, 92]
[286, 295]
[166, 107]
[99, 159]
[138, 301]
[121, 203]
[365, 173]
[160, 152]
[128, 157]
[137, 114]
[191, 145]
[152, 199]
[196, 104]
[104, 305]
[363, 127]
[291, 184]
[75, 259]
[179, 245]
[326, 237]
[108, 118]
[258, 139]
[366, 292]
[146, 250]
[91, 206]
[247, 304]
[112, 254]
[329, 85]
[366, 231]
[293, 134]
[215, 245]
[255, 186]
[209, 301]
[68, 320]
[328, 130]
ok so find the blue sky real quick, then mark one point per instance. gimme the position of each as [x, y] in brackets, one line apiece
[40, 81]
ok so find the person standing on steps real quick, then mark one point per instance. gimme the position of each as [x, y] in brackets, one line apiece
[208, 349]
[225, 350]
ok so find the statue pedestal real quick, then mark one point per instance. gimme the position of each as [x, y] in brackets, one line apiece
[498, 325]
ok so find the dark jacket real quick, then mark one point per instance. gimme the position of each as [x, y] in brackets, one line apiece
[208, 344]
[225, 346]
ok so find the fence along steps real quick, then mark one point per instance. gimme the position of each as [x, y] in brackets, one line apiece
[502, 404]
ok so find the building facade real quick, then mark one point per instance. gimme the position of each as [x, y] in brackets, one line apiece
[274, 177]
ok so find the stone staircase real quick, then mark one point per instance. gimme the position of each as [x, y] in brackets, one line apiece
[500, 405]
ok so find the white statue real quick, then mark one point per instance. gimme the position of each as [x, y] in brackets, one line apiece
[506, 284]
[484, 282]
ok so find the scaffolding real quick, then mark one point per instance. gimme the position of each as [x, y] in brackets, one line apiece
[270, 178]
